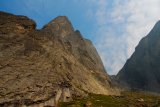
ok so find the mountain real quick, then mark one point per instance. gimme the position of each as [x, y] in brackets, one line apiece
[142, 70]
[42, 67]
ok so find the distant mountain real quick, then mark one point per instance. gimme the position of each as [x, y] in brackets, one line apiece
[142, 70]
[41, 67]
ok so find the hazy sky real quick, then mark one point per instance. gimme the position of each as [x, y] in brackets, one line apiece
[114, 26]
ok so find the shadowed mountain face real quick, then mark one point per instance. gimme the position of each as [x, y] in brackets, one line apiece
[41, 67]
[142, 70]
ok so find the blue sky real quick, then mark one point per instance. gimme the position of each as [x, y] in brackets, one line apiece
[114, 26]
[43, 11]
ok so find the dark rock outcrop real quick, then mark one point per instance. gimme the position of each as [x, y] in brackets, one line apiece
[142, 70]
[41, 67]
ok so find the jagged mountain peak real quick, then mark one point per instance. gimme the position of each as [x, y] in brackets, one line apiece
[142, 70]
[62, 19]
[60, 24]
[42, 67]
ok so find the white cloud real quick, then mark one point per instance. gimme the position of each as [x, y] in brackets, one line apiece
[121, 26]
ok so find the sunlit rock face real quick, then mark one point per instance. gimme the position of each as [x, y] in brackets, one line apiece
[39, 68]
[142, 70]
[60, 26]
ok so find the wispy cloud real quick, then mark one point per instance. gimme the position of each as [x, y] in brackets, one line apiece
[120, 28]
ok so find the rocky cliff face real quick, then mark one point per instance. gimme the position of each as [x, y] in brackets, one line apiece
[41, 67]
[142, 70]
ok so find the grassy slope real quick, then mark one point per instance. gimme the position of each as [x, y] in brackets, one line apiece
[127, 99]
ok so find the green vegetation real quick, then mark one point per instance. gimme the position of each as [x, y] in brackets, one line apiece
[127, 99]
